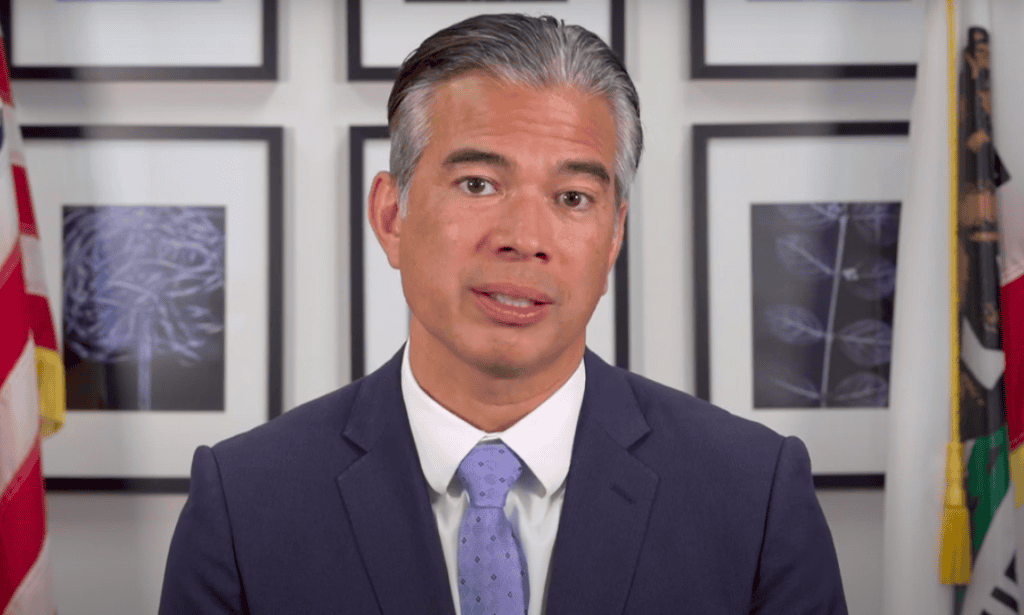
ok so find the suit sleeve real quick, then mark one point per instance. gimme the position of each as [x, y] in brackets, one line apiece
[201, 574]
[798, 572]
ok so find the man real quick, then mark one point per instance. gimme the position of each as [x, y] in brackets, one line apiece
[494, 465]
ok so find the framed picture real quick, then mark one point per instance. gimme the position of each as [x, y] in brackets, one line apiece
[809, 39]
[381, 33]
[162, 247]
[795, 248]
[380, 317]
[162, 40]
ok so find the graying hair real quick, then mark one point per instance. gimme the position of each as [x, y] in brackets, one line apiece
[518, 49]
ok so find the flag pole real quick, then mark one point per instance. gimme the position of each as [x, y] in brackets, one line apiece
[954, 540]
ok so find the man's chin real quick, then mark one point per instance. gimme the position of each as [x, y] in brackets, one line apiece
[502, 365]
[506, 365]
[503, 371]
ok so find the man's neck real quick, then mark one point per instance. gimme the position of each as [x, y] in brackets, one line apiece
[487, 402]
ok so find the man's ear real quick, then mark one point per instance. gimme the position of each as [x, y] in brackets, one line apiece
[382, 210]
[620, 230]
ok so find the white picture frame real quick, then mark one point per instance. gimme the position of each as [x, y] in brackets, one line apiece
[132, 41]
[736, 167]
[817, 39]
[121, 447]
[381, 33]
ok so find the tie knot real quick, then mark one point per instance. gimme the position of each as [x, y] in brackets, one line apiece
[488, 473]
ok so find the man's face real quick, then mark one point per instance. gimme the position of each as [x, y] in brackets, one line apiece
[512, 201]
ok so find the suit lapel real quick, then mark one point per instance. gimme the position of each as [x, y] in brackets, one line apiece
[608, 499]
[388, 506]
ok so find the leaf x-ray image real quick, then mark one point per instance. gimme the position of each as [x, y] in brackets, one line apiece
[144, 307]
[823, 285]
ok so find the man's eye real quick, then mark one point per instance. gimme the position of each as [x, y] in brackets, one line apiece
[477, 186]
[574, 200]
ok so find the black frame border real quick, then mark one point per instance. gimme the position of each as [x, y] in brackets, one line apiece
[358, 72]
[273, 136]
[267, 71]
[700, 69]
[849, 481]
[358, 135]
[702, 135]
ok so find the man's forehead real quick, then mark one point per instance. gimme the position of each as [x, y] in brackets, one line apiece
[480, 103]
[477, 86]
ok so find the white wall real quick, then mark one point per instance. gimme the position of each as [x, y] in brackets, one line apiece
[109, 549]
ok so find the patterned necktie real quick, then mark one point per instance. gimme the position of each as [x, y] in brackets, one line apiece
[492, 568]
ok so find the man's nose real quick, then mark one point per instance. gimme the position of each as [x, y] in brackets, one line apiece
[523, 229]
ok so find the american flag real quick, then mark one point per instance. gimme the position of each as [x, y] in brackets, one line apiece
[31, 382]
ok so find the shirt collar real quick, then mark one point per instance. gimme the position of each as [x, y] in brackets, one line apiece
[542, 439]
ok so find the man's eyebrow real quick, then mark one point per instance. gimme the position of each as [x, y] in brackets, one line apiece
[462, 156]
[470, 155]
[595, 169]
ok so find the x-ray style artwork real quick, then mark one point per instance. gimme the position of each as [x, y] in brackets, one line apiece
[824, 281]
[144, 307]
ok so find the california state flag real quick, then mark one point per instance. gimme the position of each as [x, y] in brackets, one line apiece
[31, 383]
[1007, 55]
[989, 322]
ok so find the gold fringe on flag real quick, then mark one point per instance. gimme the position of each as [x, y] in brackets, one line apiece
[50, 376]
[954, 539]
[954, 542]
[1017, 475]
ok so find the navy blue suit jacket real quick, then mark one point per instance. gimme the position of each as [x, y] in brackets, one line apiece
[671, 506]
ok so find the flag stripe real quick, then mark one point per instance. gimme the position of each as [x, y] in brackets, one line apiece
[39, 314]
[23, 198]
[34, 596]
[32, 266]
[1011, 298]
[5, 80]
[12, 311]
[19, 428]
[22, 524]
[5, 84]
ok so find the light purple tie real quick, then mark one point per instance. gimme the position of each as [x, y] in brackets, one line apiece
[492, 568]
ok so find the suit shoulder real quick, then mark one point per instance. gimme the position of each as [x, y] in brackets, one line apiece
[678, 414]
[309, 425]
[729, 459]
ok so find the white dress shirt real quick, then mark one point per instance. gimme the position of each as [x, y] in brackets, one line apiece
[543, 441]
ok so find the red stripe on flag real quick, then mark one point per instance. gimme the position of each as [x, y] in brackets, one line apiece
[26, 217]
[1011, 306]
[5, 79]
[12, 312]
[22, 525]
[41, 321]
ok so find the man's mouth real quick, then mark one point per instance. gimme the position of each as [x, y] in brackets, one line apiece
[513, 301]
[514, 295]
